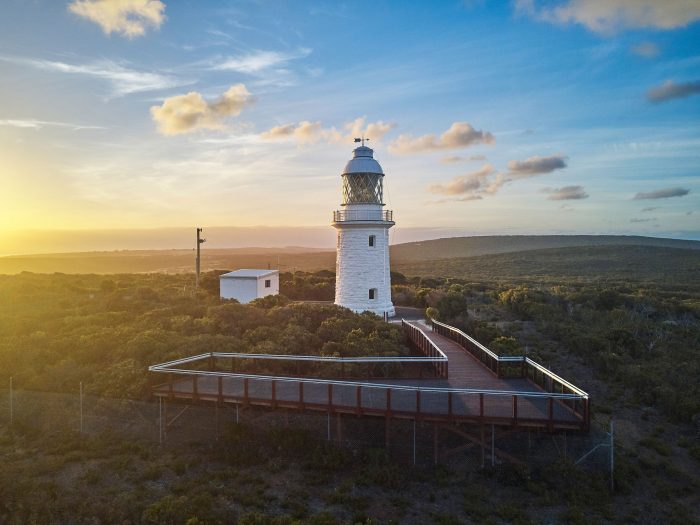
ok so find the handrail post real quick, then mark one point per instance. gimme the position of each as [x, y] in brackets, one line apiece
[246, 398]
[550, 422]
[388, 401]
[330, 397]
[481, 406]
[417, 401]
[449, 406]
[358, 394]
[195, 393]
[515, 410]
[221, 390]
[301, 394]
[274, 393]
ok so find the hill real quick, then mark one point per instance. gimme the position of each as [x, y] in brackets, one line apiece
[677, 266]
[471, 246]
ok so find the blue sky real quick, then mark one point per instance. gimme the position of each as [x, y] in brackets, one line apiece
[577, 116]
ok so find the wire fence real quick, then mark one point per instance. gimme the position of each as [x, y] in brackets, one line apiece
[406, 441]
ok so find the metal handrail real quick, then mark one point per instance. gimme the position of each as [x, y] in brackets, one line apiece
[383, 386]
[515, 359]
[311, 358]
[436, 348]
[363, 215]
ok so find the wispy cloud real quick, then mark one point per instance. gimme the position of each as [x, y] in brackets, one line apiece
[451, 159]
[188, 113]
[129, 18]
[124, 80]
[651, 219]
[258, 61]
[665, 193]
[646, 49]
[536, 165]
[566, 193]
[469, 187]
[611, 16]
[459, 135]
[650, 209]
[309, 132]
[670, 90]
[39, 124]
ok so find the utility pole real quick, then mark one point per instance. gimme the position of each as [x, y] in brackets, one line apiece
[197, 266]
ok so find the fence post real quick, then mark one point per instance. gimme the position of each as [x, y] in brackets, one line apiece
[81, 407]
[12, 404]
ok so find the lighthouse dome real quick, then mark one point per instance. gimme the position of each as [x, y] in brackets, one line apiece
[363, 162]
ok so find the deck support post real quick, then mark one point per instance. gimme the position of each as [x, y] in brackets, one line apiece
[414, 442]
[160, 420]
[483, 446]
[339, 427]
[493, 445]
[435, 443]
[387, 432]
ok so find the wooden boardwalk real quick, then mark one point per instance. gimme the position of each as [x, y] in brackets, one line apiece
[470, 392]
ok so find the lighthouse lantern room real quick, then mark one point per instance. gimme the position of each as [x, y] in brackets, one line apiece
[362, 276]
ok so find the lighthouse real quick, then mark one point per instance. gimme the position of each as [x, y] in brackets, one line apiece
[362, 276]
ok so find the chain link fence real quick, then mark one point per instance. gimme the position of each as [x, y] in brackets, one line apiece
[405, 441]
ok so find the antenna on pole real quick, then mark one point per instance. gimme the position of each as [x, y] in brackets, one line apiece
[200, 241]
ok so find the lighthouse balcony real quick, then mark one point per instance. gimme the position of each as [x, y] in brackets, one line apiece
[363, 216]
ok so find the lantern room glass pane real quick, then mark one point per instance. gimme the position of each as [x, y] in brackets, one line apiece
[363, 188]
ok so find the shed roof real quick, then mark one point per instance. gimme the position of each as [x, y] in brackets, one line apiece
[248, 273]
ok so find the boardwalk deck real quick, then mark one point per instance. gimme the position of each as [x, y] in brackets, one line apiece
[470, 392]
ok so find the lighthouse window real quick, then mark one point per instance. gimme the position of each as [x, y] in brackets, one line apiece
[372, 238]
[372, 293]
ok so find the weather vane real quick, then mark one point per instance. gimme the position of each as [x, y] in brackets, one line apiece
[362, 140]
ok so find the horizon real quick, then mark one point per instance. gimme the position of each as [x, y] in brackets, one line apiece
[175, 239]
[488, 118]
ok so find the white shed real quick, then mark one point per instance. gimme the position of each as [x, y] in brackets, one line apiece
[246, 285]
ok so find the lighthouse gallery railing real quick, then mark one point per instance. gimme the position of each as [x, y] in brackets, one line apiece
[363, 215]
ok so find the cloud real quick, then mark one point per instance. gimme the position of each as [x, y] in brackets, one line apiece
[665, 193]
[645, 49]
[477, 157]
[304, 132]
[611, 16]
[130, 18]
[374, 130]
[536, 165]
[644, 210]
[652, 219]
[459, 135]
[451, 159]
[670, 90]
[469, 187]
[308, 132]
[39, 124]
[190, 112]
[123, 79]
[566, 193]
[258, 61]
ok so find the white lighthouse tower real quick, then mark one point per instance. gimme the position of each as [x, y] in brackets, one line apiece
[362, 278]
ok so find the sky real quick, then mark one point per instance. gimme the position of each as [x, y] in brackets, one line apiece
[488, 117]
